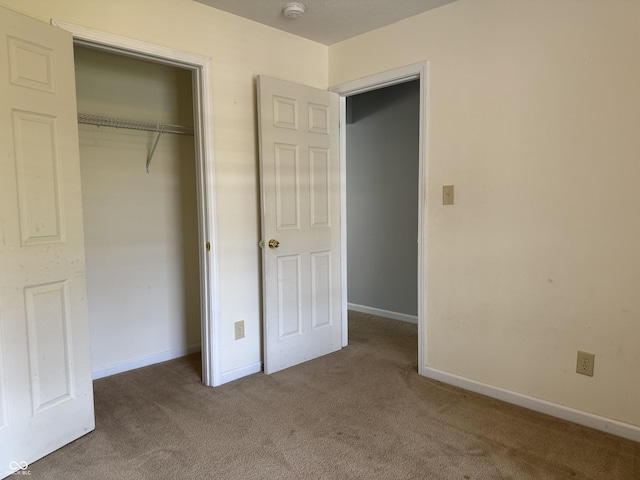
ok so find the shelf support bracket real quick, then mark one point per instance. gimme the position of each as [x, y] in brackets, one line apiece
[155, 144]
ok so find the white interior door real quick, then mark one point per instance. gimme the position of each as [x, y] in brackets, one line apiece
[46, 392]
[300, 180]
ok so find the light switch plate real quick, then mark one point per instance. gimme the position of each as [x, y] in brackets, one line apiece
[239, 329]
[447, 195]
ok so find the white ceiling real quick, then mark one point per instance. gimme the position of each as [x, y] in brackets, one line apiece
[327, 21]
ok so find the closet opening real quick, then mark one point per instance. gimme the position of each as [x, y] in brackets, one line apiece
[142, 228]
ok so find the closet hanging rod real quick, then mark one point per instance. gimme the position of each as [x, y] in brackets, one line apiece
[101, 121]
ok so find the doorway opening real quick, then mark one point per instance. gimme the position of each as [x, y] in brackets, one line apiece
[205, 181]
[382, 201]
[419, 73]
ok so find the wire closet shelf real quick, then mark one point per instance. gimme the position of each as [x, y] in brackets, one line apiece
[158, 128]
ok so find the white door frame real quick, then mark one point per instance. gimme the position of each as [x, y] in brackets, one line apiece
[203, 131]
[417, 71]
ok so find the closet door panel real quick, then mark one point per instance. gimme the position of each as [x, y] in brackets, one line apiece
[46, 397]
[37, 171]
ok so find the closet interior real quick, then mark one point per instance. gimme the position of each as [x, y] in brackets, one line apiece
[140, 210]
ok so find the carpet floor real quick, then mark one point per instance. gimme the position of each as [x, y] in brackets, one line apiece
[360, 413]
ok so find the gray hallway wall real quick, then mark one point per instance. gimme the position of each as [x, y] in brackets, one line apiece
[382, 198]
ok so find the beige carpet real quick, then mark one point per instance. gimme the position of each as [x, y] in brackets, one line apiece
[361, 413]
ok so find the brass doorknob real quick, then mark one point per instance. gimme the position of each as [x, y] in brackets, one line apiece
[274, 243]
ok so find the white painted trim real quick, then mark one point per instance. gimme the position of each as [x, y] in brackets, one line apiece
[380, 80]
[240, 372]
[383, 313]
[425, 86]
[614, 427]
[343, 219]
[143, 361]
[203, 115]
[385, 79]
[131, 47]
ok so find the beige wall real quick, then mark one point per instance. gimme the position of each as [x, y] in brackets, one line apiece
[239, 50]
[535, 118]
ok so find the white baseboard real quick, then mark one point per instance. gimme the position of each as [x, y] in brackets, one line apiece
[143, 361]
[240, 372]
[625, 430]
[383, 313]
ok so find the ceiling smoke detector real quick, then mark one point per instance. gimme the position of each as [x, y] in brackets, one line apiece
[294, 10]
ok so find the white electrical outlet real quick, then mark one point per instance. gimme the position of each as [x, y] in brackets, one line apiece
[239, 329]
[584, 364]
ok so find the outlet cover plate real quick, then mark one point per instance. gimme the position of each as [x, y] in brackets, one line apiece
[584, 365]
